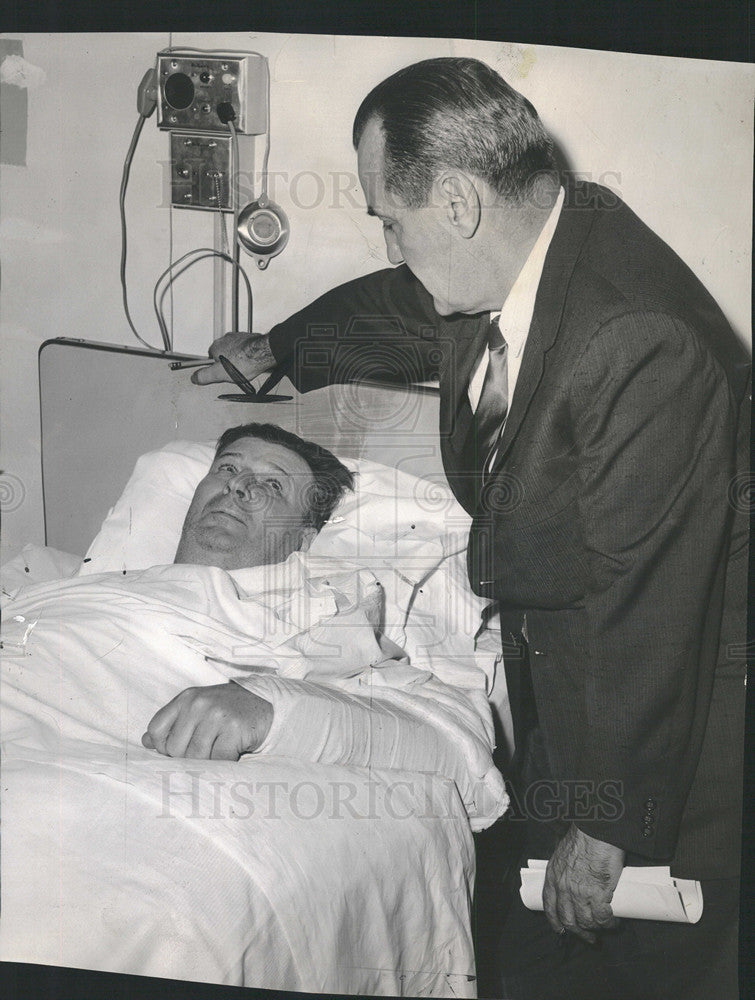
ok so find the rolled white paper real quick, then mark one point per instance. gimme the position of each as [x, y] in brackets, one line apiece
[641, 893]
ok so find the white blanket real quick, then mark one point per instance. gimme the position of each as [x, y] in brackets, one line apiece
[338, 858]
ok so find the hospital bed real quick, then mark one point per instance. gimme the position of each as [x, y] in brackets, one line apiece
[352, 879]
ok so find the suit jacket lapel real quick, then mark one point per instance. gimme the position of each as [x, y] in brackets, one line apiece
[530, 374]
[465, 337]
[574, 223]
[463, 340]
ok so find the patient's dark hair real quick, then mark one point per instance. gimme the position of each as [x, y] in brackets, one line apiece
[331, 476]
[455, 113]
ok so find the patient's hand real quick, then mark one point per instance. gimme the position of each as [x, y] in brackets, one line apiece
[220, 722]
[249, 352]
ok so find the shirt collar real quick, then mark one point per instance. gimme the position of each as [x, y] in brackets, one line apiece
[515, 317]
[272, 579]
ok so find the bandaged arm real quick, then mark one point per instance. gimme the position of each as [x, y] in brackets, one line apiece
[391, 716]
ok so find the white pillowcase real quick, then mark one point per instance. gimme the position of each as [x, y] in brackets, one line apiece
[392, 519]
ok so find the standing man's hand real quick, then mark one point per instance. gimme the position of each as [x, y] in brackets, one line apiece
[579, 883]
[249, 352]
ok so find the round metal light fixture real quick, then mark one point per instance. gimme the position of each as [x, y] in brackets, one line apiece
[263, 230]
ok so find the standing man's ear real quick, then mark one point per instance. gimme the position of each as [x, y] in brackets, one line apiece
[458, 195]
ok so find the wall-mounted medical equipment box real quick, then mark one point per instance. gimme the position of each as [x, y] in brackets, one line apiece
[191, 86]
[200, 171]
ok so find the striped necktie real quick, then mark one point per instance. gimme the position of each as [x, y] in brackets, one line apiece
[492, 407]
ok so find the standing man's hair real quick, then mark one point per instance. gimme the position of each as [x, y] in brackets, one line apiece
[331, 477]
[455, 113]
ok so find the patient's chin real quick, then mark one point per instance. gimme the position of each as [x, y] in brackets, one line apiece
[209, 547]
[214, 545]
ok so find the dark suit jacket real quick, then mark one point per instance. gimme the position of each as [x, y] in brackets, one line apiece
[610, 520]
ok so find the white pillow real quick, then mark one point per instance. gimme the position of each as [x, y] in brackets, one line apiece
[392, 518]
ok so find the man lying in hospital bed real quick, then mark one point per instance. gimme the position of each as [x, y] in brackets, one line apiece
[358, 761]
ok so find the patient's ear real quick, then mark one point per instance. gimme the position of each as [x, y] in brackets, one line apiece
[307, 536]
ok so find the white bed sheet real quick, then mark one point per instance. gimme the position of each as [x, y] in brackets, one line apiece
[335, 879]
[121, 863]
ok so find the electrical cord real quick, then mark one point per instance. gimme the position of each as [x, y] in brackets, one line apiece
[221, 214]
[227, 115]
[235, 230]
[204, 253]
[266, 156]
[146, 102]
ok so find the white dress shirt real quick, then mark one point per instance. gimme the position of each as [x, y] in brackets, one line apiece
[515, 317]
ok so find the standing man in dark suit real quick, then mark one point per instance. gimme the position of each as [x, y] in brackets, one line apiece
[591, 392]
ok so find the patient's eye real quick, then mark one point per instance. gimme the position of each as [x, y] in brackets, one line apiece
[227, 467]
[275, 485]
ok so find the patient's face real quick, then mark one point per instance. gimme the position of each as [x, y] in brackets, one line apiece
[249, 509]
